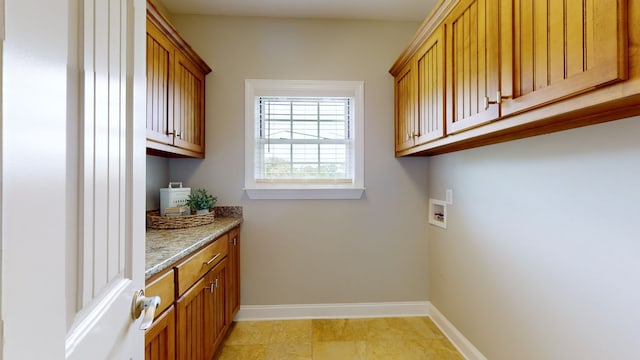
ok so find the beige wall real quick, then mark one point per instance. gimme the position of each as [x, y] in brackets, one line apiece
[313, 251]
[541, 258]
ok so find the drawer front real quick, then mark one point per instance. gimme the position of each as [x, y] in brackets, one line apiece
[163, 287]
[198, 264]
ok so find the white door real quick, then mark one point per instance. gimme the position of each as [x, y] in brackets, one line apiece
[73, 178]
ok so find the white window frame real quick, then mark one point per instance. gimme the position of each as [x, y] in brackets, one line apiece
[304, 88]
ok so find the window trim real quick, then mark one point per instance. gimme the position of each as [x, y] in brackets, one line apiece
[311, 190]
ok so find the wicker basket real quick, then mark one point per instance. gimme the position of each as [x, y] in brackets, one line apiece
[155, 221]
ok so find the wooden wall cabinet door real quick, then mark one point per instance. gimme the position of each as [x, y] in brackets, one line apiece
[160, 60]
[429, 64]
[472, 64]
[405, 107]
[559, 49]
[233, 296]
[160, 338]
[202, 315]
[188, 105]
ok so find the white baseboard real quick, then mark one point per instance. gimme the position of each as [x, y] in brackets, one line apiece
[332, 311]
[362, 310]
[464, 346]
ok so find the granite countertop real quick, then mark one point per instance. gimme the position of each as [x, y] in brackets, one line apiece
[165, 247]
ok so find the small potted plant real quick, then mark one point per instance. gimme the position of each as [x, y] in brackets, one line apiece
[200, 201]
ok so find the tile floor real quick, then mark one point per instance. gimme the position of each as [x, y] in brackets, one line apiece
[340, 339]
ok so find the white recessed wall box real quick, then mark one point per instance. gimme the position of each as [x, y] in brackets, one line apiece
[438, 213]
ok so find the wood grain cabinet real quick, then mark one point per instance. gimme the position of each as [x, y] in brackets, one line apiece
[472, 65]
[175, 91]
[202, 315]
[515, 69]
[405, 108]
[419, 96]
[233, 292]
[200, 296]
[558, 49]
[160, 340]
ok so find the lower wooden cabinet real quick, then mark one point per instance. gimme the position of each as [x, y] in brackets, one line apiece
[160, 338]
[193, 326]
[233, 296]
[202, 318]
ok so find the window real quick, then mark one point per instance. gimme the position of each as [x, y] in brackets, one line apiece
[304, 139]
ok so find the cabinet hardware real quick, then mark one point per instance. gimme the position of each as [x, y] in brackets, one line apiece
[498, 100]
[213, 285]
[212, 259]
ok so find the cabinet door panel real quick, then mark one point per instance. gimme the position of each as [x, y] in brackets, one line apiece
[405, 100]
[191, 322]
[188, 105]
[430, 97]
[563, 48]
[216, 311]
[160, 339]
[471, 60]
[159, 93]
[233, 280]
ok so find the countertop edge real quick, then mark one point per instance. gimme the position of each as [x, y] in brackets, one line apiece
[185, 252]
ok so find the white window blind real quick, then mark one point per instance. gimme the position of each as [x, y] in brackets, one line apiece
[304, 139]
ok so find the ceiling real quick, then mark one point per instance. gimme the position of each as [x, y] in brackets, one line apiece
[404, 10]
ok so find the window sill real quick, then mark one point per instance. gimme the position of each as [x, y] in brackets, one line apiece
[350, 193]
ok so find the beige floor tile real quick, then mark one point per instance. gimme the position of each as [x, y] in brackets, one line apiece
[340, 329]
[289, 351]
[250, 333]
[340, 350]
[412, 338]
[408, 349]
[443, 349]
[242, 352]
[291, 331]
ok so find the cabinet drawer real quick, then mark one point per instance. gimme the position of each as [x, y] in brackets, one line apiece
[198, 264]
[162, 286]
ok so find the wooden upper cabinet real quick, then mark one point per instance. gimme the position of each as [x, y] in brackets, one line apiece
[419, 96]
[188, 107]
[175, 91]
[160, 57]
[559, 49]
[472, 64]
[405, 107]
[430, 91]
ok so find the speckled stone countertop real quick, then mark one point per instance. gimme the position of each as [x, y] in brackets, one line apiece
[166, 247]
